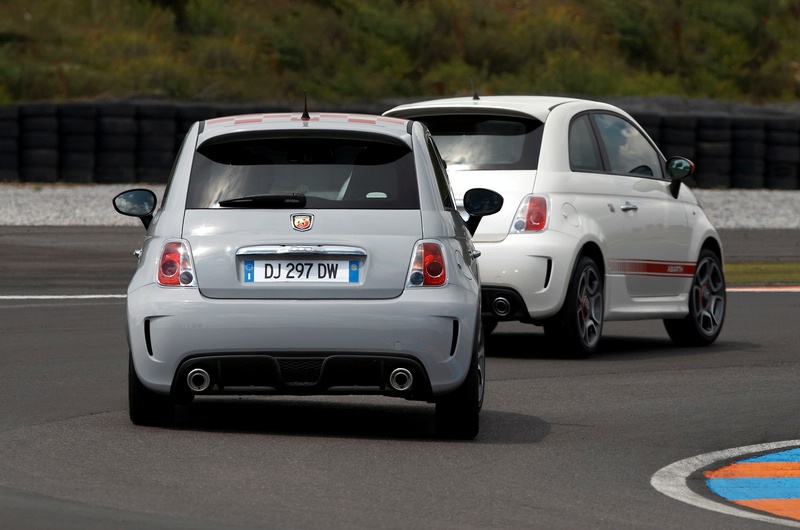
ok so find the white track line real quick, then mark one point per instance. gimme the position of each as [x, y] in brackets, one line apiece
[672, 481]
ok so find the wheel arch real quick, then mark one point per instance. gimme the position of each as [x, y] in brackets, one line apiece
[592, 250]
[712, 244]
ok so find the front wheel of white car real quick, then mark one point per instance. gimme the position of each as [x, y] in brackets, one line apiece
[703, 324]
[458, 413]
[145, 407]
[575, 330]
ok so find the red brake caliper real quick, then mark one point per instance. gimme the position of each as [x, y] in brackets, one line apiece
[585, 307]
[705, 296]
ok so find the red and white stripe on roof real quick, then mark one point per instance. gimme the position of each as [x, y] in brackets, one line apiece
[314, 117]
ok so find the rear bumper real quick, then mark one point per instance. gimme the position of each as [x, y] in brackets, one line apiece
[352, 342]
[530, 270]
[303, 375]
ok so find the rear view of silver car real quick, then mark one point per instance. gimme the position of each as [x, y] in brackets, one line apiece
[307, 254]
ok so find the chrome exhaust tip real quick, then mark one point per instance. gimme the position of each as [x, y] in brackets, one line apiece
[501, 306]
[198, 380]
[401, 379]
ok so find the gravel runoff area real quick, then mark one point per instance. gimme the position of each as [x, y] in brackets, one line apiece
[90, 205]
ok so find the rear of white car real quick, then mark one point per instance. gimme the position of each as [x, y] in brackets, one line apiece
[593, 228]
[307, 255]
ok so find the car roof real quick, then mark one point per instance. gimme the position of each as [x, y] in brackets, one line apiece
[533, 106]
[323, 121]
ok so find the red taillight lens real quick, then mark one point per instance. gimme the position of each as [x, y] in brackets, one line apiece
[175, 266]
[435, 273]
[428, 266]
[531, 215]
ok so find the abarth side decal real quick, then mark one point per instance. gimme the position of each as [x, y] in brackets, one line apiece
[671, 269]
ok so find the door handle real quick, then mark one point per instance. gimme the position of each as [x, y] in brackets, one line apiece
[628, 207]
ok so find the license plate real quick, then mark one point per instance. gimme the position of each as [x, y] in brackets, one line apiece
[260, 271]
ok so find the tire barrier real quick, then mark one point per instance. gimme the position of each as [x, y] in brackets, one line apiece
[136, 141]
[748, 137]
[9, 144]
[782, 154]
[713, 150]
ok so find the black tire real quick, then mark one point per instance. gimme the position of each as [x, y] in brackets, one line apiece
[703, 324]
[749, 149]
[575, 331]
[781, 176]
[713, 149]
[9, 128]
[145, 407]
[458, 413]
[77, 142]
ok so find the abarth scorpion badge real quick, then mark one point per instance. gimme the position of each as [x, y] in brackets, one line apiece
[302, 221]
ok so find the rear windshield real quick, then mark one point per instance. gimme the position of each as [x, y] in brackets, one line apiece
[486, 142]
[328, 172]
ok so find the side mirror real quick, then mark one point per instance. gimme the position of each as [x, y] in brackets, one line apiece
[139, 203]
[480, 202]
[678, 168]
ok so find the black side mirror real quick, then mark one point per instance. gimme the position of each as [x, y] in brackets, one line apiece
[480, 202]
[678, 168]
[139, 203]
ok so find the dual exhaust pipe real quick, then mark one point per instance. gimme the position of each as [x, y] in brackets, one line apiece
[501, 306]
[198, 380]
[401, 379]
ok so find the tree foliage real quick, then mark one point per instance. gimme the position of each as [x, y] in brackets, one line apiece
[366, 49]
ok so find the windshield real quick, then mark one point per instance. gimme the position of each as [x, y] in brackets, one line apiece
[326, 172]
[486, 142]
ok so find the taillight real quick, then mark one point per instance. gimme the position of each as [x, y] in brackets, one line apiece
[175, 266]
[531, 215]
[428, 267]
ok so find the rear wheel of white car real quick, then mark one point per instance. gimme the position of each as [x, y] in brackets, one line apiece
[145, 407]
[575, 331]
[702, 325]
[458, 413]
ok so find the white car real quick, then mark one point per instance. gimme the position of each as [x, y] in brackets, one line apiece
[596, 225]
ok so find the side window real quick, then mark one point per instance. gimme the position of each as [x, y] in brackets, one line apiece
[628, 150]
[584, 154]
[441, 175]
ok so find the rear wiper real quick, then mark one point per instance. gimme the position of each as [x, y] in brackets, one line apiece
[293, 200]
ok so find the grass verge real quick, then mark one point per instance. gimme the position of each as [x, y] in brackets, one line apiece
[763, 273]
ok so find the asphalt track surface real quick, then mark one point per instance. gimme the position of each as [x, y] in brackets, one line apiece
[563, 444]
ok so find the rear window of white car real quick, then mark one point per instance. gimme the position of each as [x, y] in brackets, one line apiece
[321, 171]
[486, 142]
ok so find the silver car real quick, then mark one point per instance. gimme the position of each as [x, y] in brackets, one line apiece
[307, 254]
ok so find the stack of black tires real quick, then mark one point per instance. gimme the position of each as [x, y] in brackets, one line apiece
[9, 144]
[38, 143]
[77, 149]
[678, 137]
[155, 146]
[748, 145]
[782, 153]
[116, 143]
[713, 149]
